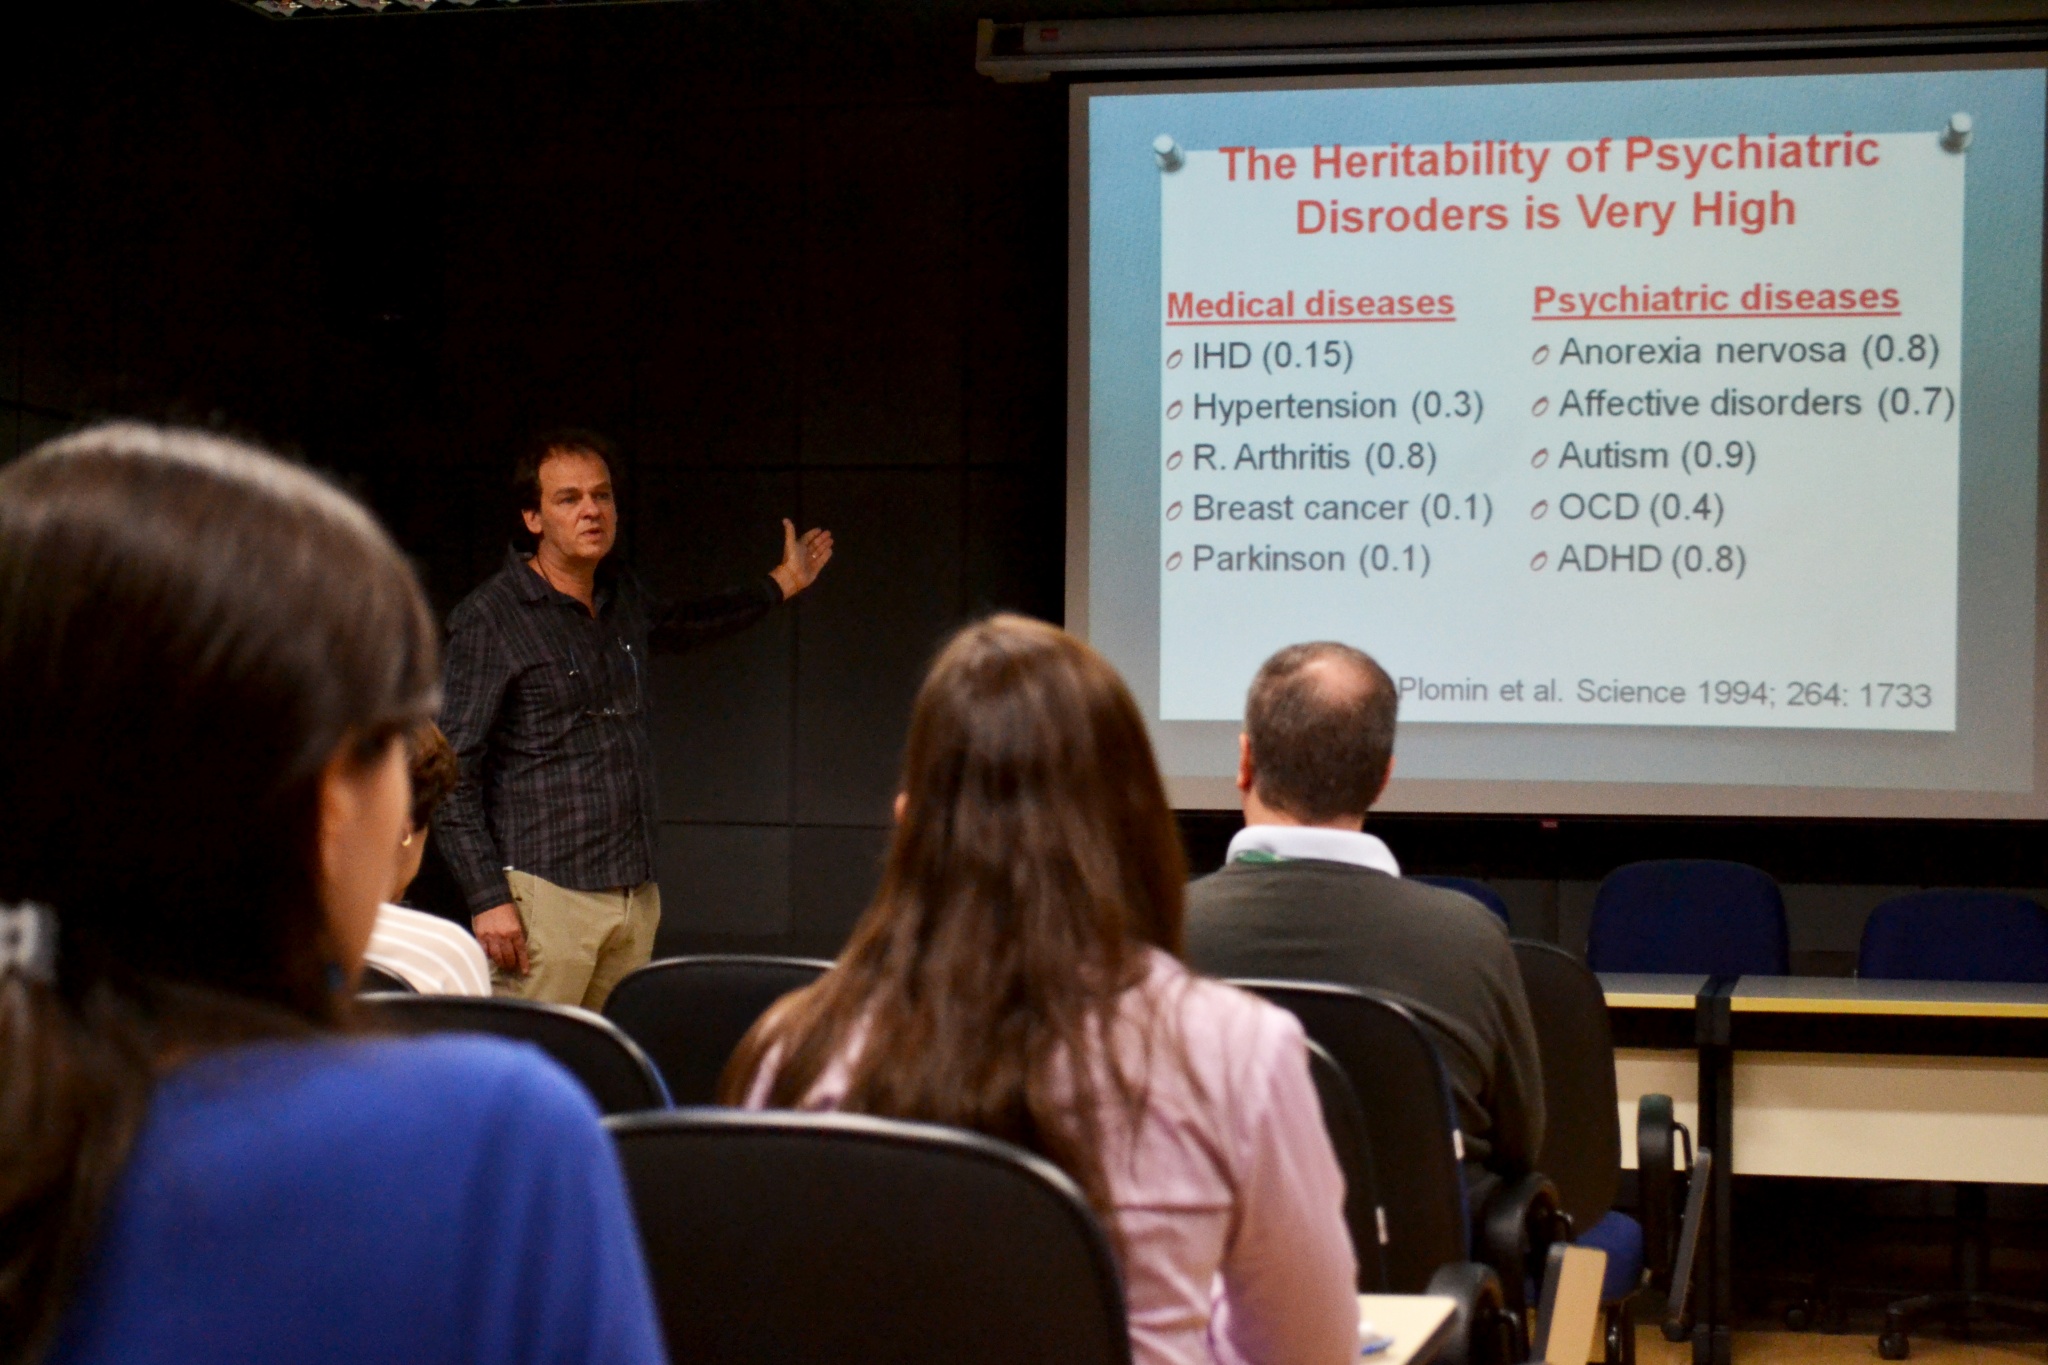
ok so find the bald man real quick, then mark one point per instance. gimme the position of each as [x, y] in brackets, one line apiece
[1307, 895]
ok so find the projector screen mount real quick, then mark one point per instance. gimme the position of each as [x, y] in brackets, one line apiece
[1576, 30]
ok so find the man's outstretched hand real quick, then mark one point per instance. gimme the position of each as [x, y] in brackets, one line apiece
[802, 558]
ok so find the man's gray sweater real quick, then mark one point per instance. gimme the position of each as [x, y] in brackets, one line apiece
[1441, 954]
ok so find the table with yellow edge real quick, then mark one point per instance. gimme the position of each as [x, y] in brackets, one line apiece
[1833, 1077]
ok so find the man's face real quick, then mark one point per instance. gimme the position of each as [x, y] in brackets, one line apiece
[576, 520]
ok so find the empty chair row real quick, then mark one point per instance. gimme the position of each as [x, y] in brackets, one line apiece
[1703, 915]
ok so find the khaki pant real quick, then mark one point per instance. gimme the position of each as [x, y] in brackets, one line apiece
[579, 944]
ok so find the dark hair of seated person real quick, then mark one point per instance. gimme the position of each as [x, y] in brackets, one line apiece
[1034, 861]
[191, 634]
[430, 764]
[1320, 722]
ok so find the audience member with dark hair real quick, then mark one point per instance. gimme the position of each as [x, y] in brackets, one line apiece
[1030, 909]
[208, 663]
[1307, 894]
[427, 952]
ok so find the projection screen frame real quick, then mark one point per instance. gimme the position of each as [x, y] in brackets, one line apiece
[1566, 798]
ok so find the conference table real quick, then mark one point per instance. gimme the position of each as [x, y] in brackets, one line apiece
[1832, 1077]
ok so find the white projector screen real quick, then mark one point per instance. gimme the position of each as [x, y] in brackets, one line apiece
[1671, 436]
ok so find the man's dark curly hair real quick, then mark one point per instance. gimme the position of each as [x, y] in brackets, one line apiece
[534, 453]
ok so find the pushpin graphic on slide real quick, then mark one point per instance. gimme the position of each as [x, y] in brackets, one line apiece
[1540, 458]
[1956, 137]
[1173, 561]
[1173, 410]
[1173, 460]
[1173, 512]
[1541, 406]
[1173, 361]
[1168, 154]
[1542, 558]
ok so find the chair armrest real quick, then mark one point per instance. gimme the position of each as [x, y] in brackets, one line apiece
[1678, 1313]
[1482, 1331]
[1656, 1176]
[1518, 1225]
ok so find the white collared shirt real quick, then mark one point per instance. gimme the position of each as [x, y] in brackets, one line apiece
[1283, 842]
[435, 956]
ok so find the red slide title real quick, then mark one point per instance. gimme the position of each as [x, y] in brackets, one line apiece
[1497, 158]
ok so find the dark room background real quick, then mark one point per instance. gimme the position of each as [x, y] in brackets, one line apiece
[798, 260]
[795, 256]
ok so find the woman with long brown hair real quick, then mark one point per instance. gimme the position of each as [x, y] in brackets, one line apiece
[208, 662]
[1016, 975]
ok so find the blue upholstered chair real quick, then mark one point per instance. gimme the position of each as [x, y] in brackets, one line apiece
[1956, 936]
[1473, 887]
[1689, 915]
[1582, 1133]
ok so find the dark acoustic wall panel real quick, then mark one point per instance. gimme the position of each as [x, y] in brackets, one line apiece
[834, 872]
[723, 880]
[1015, 521]
[718, 378]
[885, 288]
[10, 295]
[68, 289]
[723, 751]
[865, 642]
[1016, 312]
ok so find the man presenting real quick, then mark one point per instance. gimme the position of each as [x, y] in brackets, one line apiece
[551, 829]
[1306, 894]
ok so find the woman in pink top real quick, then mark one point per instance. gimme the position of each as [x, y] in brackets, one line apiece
[1029, 915]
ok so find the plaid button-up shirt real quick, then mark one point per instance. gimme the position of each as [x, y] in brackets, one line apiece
[547, 709]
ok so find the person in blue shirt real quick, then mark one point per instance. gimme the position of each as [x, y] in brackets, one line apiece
[208, 659]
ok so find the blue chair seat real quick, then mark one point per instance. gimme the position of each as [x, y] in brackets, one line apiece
[1621, 1237]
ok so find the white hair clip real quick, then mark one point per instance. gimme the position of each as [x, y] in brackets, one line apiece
[28, 941]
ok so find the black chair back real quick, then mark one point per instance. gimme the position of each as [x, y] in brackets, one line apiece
[611, 1066]
[377, 981]
[838, 1239]
[1582, 1121]
[1410, 1123]
[689, 1013]
[1344, 1120]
